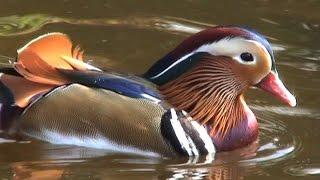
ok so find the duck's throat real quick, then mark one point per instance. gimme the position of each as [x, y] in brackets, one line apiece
[212, 94]
[244, 132]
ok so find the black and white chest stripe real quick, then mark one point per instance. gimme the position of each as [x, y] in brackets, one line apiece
[186, 136]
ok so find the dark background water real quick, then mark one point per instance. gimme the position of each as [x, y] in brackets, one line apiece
[129, 36]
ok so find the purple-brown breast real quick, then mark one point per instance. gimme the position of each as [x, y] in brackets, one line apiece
[244, 133]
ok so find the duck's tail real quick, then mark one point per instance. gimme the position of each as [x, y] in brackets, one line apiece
[36, 70]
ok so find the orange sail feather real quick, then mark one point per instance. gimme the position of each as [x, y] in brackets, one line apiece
[39, 60]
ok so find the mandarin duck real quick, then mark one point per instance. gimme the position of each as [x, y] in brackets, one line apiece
[190, 102]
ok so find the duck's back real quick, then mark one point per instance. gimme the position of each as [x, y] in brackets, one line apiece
[99, 118]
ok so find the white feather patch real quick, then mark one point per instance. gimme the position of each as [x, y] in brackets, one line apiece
[93, 142]
[208, 144]
[181, 135]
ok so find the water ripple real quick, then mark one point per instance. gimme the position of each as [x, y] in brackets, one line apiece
[19, 25]
[281, 110]
[303, 169]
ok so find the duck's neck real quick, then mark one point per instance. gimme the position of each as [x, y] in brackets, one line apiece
[212, 94]
[244, 132]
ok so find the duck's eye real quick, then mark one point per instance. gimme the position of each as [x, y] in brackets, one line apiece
[246, 57]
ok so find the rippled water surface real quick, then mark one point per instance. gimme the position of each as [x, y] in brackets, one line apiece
[130, 35]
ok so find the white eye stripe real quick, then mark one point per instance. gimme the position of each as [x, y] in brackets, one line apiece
[231, 47]
[263, 48]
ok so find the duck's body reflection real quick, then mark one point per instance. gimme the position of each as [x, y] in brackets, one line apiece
[219, 167]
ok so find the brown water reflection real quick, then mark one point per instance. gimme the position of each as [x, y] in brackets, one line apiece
[129, 36]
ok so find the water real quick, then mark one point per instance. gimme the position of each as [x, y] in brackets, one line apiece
[129, 36]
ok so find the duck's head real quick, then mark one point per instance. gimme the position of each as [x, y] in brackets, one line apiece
[207, 75]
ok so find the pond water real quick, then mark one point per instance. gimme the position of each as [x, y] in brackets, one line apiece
[129, 36]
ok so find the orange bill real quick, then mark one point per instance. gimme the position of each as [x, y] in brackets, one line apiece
[272, 84]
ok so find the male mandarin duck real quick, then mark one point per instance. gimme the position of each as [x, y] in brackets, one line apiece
[190, 102]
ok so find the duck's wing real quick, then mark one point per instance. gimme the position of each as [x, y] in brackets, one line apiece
[97, 118]
[78, 115]
[125, 85]
[52, 60]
